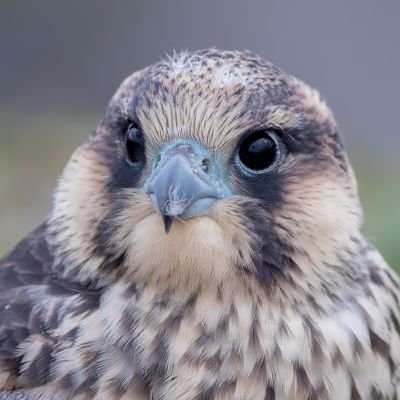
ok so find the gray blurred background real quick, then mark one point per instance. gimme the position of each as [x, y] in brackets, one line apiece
[61, 61]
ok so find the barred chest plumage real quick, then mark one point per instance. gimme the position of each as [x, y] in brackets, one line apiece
[200, 347]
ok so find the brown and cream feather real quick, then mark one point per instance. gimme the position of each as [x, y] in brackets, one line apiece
[274, 294]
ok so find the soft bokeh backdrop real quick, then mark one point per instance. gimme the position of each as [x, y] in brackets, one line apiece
[61, 61]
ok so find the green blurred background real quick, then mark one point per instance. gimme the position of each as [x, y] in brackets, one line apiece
[61, 62]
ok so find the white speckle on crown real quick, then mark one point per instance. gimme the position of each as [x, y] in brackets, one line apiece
[221, 76]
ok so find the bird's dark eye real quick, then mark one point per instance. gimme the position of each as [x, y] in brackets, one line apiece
[135, 144]
[259, 151]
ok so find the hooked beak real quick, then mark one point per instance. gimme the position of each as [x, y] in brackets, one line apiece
[185, 183]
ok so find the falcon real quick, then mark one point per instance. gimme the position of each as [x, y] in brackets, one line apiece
[203, 243]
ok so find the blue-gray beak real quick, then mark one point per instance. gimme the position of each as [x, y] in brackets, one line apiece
[185, 183]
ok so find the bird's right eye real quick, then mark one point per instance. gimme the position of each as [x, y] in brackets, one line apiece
[135, 150]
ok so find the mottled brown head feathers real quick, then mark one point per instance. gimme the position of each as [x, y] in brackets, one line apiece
[104, 227]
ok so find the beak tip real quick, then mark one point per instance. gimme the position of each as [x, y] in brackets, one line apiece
[167, 219]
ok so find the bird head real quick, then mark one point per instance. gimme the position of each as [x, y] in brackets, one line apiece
[212, 168]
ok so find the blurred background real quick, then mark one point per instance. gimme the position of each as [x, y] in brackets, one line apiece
[60, 62]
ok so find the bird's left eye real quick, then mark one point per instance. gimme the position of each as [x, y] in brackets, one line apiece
[135, 145]
[259, 152]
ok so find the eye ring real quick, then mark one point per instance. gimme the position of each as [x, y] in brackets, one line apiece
[259, 152]
[134, 145]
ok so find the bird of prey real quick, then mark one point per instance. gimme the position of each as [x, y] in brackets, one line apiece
[203, 243]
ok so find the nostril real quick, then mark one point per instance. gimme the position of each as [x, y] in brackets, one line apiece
[205, 164]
